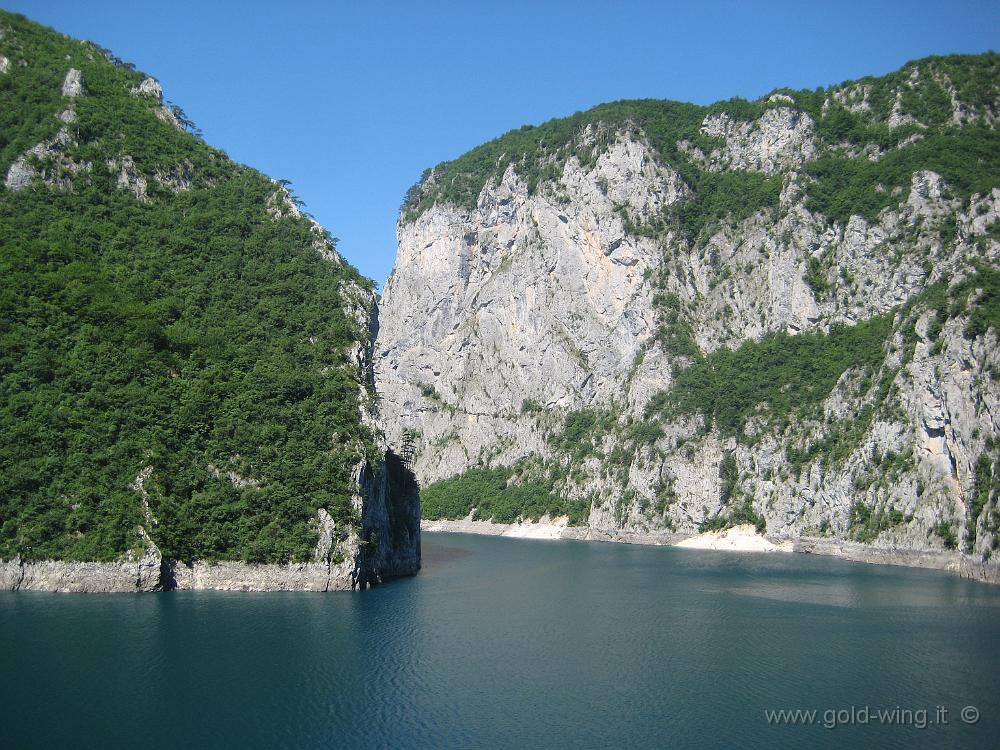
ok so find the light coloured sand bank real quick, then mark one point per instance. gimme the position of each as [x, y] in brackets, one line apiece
[543, 528]
[737, 539]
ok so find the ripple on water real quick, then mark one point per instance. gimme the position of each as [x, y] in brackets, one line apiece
[510, 643]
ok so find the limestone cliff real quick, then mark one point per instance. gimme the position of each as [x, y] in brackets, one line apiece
[566, 299]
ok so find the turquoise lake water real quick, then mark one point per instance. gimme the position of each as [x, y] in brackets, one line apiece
[506, 643]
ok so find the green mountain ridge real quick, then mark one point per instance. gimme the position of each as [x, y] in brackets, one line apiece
[673, 128]
[173, 332]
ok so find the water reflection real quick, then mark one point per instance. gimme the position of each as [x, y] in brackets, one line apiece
[507, 642]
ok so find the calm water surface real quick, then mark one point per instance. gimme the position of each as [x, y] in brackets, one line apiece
[516, 644]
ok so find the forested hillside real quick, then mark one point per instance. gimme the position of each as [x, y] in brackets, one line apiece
[178, 343]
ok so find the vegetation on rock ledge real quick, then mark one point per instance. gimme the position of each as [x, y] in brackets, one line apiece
[498, 494]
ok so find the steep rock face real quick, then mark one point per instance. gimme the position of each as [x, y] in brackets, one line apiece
[389, 537]
[568, 321]
[781, 139]
[527, 298]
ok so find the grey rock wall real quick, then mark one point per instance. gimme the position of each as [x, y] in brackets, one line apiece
[498, 321]
[133, 573]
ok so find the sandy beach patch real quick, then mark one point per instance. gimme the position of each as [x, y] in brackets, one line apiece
[742, 538]
[543, 528]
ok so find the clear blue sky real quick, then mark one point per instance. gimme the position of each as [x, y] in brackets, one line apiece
[352, 100]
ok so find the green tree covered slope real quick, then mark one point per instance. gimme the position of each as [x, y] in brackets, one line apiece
[173, 333]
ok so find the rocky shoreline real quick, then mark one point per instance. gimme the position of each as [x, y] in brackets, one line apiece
[122, 577]
[134, 577]
[150, 574]
[966, 566]
[543, 528]
[385, 545]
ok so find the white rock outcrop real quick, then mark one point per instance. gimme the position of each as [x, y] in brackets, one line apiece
[51, 161]
[783, 138]
[129, 178]
[72, 85]
[149, 86]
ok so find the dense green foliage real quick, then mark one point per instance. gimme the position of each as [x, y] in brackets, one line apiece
[968, 157]
[968, 160]
[583, 432]
[736, 516]
[500, 494]
[975, 79]
[192, 334]
[539, 153]
[729, 478]
[781, 372]
[842, 185]
[576, 439]
[947, 533]
[672, 332]
[730, 195]
[866, 523]
[837, 443]
[976, 297]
